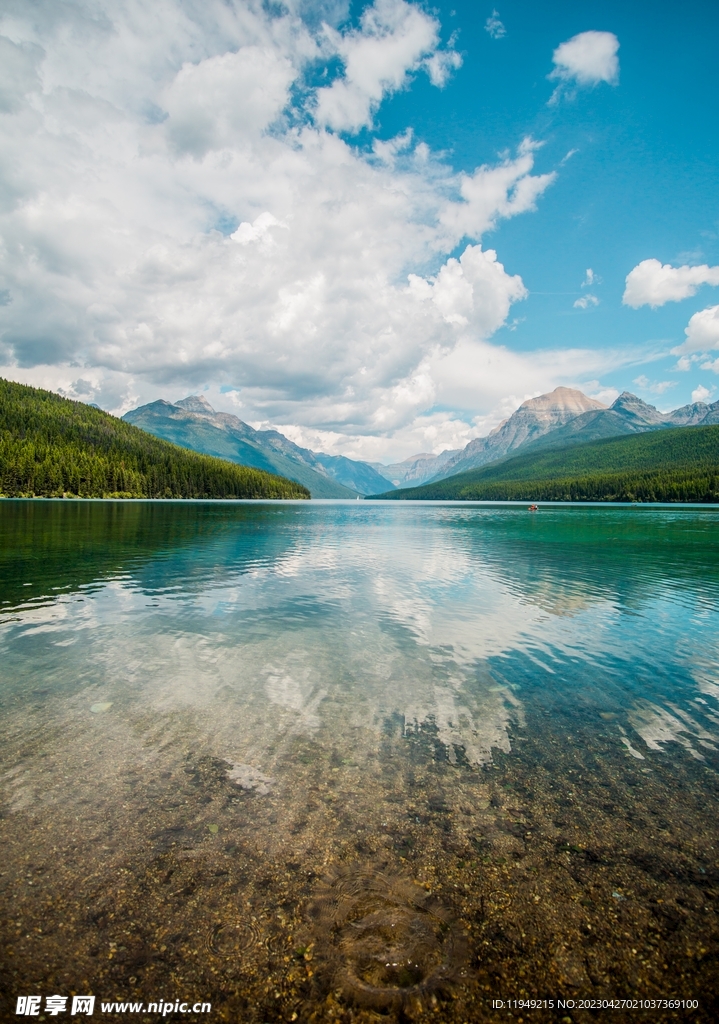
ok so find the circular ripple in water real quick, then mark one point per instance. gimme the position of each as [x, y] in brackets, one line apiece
[497, 901]
[233, 942]
[387, 944]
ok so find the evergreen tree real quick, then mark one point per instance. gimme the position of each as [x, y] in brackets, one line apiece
[53, 447]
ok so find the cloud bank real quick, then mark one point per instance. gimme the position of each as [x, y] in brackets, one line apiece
[653, 284]
[183, 205]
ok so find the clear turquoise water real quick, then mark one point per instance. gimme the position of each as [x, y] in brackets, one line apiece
[516, 714]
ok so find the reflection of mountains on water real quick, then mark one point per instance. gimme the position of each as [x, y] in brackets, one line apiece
[562, 559]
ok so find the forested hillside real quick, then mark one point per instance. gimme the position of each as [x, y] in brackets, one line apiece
[193, 423]
[50, 447]
[669, 465]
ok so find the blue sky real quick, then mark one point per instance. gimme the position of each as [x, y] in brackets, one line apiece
[370, 225]
[643, 180]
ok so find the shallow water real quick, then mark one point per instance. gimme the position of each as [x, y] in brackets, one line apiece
[357, 761]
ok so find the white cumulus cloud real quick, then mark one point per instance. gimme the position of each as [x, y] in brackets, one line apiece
[490, 193]
[701, 394]
[394, 38]
[702, 332]
[178, 216]
[475, 289]
[441, 65]
[652, 283]
[219, 101]
[585, 60]
[258, 230]
[586, 301]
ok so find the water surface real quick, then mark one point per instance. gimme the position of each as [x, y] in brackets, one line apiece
[357, 761]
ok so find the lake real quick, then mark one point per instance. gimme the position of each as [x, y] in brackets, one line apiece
[361, 761]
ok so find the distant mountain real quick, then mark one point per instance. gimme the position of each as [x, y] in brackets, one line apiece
[627, 415]
[713, 415]
[361, 477]
[53, 447]
[417, 469]
[567, 417]
[533, 419]
[677, 464]
[636, 412]
[193, 423]
[691, 415]
[563, 417]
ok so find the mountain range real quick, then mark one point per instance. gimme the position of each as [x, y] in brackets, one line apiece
[678, 464]
[417, 468]
[566, 416]
[193, 423]
[560, 418]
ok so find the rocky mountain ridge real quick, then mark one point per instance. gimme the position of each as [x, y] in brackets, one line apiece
[535, 417]
[567, 416]
[416, 469]
[193, 423]
[561, 417]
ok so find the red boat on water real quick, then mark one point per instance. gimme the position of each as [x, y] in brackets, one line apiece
[533, 508]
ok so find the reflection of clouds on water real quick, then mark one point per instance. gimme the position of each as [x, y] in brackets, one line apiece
[298, 696]
[352, 619]
[468, 614]
[711, 688]
[707, 682]
[288, 691]
[658, 726]
[632, 750]
[475, 731]
[428, 616]
[73, 611]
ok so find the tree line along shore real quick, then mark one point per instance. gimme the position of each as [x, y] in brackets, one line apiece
[53, 447]
[672, 465]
